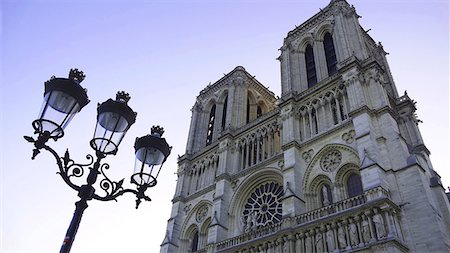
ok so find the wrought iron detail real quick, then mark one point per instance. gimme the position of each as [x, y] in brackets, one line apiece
[69, 169]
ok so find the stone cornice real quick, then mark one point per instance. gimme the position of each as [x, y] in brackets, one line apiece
[291, 144]
[196, 194]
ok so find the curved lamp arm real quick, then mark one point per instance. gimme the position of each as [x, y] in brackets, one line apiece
[69, 169]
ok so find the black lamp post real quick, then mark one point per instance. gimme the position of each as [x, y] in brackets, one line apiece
[63, 98]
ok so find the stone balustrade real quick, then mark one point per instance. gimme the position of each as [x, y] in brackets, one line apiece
[348, 225]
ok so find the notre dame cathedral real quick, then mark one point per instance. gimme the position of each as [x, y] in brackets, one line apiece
[336, 164]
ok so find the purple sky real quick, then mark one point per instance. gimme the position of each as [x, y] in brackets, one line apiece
[163, 53]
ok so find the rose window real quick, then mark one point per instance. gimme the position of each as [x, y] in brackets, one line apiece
[263, 206]
[331, 160]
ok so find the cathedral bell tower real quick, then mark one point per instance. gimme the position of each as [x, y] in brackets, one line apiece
[336, 164]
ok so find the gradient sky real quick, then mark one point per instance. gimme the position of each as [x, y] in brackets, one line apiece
[163, 53]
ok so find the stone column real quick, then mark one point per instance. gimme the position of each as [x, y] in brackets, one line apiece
[319, 60]
[295, 70]
[302, 71]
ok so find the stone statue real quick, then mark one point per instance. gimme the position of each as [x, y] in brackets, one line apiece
[365, 231]
[243, 221]
[379, 225]
[330, 239]
[254, 217]
[286, 245]
[326, 202]
[341, 238]
[308, 244]
[248, 223]
[319, 243]
[353, 234]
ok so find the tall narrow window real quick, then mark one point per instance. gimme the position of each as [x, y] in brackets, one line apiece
[212, 116]
[354, 185]
[248, 111]
[310, 66]
[258, 111]
[330, 54]
[194, 246]
[224, 112]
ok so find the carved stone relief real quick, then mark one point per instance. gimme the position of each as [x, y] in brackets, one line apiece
[349, 137]
[307, 155]
[201, 213]
[331, 160]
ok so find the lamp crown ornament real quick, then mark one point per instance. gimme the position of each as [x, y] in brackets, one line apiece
[123, 97]
[76, 75]
[157, 130]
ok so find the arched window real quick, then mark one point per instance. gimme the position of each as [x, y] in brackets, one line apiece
[310, 66]
[224, 112]
[314, 121]
[258, 111]
[194, 245]
[263, 207]
[248, 111]
[212, 116]
[354, 185]
[330, 54]
[326, 196]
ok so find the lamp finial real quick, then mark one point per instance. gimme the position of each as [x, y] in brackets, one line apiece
[76, 75]
[122, 96]
[157, 130]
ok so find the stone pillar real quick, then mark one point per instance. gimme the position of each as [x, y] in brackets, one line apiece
[302, 71]
[295, 70]
[285, 70]
[217, 229]
[319, 60]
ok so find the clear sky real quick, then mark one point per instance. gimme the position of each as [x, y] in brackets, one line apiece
[163, 53]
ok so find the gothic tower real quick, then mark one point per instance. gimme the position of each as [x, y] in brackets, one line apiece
[336, 164]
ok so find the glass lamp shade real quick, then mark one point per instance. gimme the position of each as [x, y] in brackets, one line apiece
[151, 152]
[63, 98]
[114, 118]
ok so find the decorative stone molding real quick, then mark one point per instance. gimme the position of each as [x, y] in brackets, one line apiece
[201, 213]
[320, 154]
[331, 160]
[307, 155]
[187, 208]
[349, 137]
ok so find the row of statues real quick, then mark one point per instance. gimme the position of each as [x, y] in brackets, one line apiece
[352, 232]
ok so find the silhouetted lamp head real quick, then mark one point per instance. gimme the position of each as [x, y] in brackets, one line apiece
[151, 153]
[63, 98]
[114, 118]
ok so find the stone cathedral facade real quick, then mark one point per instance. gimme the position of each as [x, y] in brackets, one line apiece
[336, 164]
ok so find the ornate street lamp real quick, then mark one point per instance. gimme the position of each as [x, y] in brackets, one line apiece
[63, 98]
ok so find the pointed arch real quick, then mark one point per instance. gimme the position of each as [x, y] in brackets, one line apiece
[348, 156]
[211, 120]
[244, 191]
